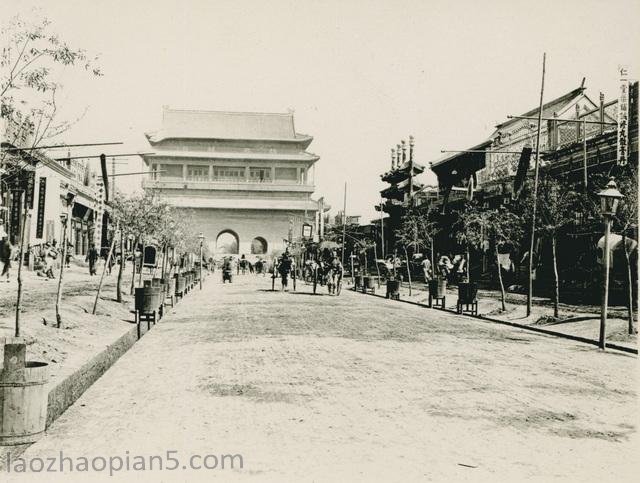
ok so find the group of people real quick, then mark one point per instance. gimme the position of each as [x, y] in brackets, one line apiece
[241, 265]
[451, 267]
[325, 268]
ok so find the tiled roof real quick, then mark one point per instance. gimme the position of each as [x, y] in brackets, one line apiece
[550, 107]
[195, 124]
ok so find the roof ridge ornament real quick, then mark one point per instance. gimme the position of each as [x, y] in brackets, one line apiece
[411, 145]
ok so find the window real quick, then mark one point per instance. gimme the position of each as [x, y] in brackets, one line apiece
[197, 173]
[171, 171]
[228, 173]
[287, 174]
[260, 175]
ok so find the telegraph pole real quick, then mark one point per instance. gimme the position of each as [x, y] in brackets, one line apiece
[113, 181]
[535, 190]
[344, 221]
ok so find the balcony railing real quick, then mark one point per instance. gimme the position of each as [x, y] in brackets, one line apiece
[229, 183]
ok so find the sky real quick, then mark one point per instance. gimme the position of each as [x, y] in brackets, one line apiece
[359, 75]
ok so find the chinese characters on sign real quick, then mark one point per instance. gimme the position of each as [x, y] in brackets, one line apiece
[42, 193]
[16, 212]
[29, 182]
[623, 117]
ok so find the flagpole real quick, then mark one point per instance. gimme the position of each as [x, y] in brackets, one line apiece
[535, 190]
[344, 222]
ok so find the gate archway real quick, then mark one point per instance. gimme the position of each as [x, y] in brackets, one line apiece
[227, 243]
[258, 246]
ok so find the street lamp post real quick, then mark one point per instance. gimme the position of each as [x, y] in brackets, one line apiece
[201, 238]
[609, 199]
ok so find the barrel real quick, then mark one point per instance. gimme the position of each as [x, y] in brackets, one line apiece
[467, 292]
[180, 284]
[438, 288]
[393, 288]
[369, 283]
[171, 287]
[23, 397]
[148, 299]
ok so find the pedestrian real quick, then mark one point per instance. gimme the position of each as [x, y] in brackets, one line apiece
[426, 269]
[5, 254]
[444, 266]
[51, 254]
[68, 255]
[92, 258]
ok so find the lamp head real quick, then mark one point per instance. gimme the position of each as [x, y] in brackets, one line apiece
[610, 198]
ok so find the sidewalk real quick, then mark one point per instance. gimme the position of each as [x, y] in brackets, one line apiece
[577, 320]
[82, 334]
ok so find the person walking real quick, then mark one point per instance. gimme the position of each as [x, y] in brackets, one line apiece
[426, 269]
[92, 258]
[5, 255]
[49, 258]
[67, 262]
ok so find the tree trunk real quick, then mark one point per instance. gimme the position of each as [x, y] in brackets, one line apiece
[164, 260]
[629, 286]
[120, 269]
[133, 274]
[433, 257]
[375, 255]
[366, 268]
[104, 269]
[62, 262]
[408, 269]
[556, 280]
[468, 265]
[20, 261]
[502, 295]
[141, 266]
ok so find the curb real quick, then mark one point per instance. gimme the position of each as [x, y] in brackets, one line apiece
[69, 390]
[539, 330]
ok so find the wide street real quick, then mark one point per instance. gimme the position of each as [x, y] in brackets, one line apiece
[352, 388]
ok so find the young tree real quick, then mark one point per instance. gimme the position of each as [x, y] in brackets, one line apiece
[468, 230]
[558, 202]
[497, 226]
[626, 222]
[29, 60]
[417, 231]
[139, 217]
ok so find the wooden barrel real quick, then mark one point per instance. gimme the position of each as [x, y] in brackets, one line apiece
[148, 299]
[438, 288]
[180, 284]
[369, 282]
[171, 287]
[393, 288]
[467, 292]
[23, 397]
